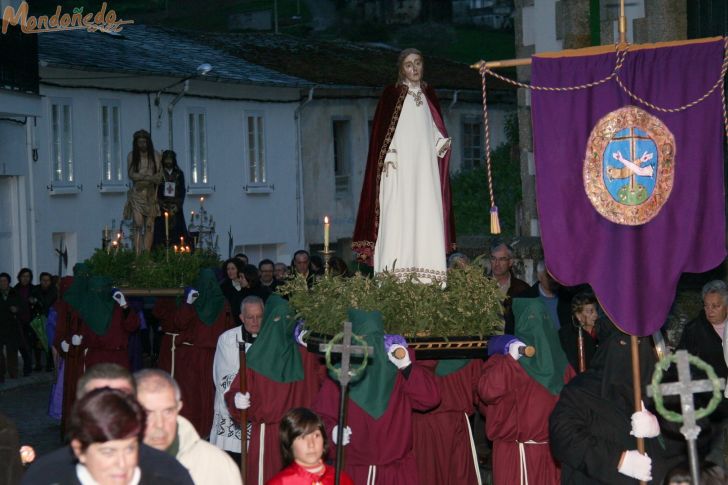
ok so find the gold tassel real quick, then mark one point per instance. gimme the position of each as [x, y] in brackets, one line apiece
[494, 222]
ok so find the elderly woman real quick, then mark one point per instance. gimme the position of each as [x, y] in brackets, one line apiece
[106, 428]
[705, 334]
[705, 337]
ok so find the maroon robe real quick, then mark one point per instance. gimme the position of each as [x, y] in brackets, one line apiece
[441, 436]
[517, 411]
[385, 443]
[164, 311]
[269, 402]
[113, 346]
[194, 356]
[68, 323]
[384, 124]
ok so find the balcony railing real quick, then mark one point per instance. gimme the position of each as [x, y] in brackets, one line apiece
[19, 61]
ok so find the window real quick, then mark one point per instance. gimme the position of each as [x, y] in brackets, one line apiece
[258, 252]
[112, 168]
[61, 143]
[342, 155]
[197, 145]
[472, 136]
[255, 139]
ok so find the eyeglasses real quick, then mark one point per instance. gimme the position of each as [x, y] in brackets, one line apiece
[503, 259]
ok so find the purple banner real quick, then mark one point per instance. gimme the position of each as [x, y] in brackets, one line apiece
[630, 197]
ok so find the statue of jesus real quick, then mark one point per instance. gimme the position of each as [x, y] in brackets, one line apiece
[143, 168]
[404, 224]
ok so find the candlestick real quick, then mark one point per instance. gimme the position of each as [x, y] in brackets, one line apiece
[327, 227]
[166, 228]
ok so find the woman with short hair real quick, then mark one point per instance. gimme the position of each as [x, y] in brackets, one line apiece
[105, 429]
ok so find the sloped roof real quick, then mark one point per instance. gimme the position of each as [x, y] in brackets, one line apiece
[339, 62]
[142, 49]
[259, 58]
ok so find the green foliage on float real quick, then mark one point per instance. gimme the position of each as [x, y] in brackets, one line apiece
[157, 269]
[470, 305]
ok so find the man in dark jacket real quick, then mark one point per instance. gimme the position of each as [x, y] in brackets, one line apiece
[9, 328]
[501, 269]
[552, 294]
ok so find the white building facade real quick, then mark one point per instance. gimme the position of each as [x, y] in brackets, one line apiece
[65, 174]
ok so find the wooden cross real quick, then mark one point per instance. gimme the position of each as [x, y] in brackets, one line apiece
[346, 349]
[685, 387]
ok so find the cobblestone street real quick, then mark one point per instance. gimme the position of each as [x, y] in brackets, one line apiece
[25, 402]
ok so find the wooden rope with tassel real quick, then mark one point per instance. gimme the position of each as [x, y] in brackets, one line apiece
[494, 221]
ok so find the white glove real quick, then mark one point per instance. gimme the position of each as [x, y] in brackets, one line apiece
[399, 363]
[65, 346]
[76, 340]
[644, 424]
[194, 294]
[119, 297]
[513, 349]
[636, 465]
[242, 401]
[346, 436]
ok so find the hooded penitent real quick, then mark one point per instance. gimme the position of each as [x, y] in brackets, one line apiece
[91, 297]
[211, 301]
[372, 391]
[534, 327]
[275, 353]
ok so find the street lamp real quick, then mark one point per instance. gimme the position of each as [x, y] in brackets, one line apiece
[202, 70]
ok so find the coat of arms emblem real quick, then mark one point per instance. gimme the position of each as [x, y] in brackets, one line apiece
[629, 166]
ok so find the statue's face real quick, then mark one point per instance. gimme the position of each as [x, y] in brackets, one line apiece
[412, 68]
[142, 144]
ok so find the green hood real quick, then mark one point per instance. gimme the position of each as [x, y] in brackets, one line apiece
[211, 300]
[373, 390]
[275, 353]
[534, 327]
[90, 296]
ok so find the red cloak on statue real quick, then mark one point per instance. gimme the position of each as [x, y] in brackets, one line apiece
[383, 127]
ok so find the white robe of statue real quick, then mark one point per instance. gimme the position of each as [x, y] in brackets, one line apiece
[225, 433]
[411, 234]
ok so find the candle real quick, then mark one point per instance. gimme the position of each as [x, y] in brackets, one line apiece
[327, 227]
[166, 227]
[182, 241]
[202, 200]
[175, 249]
[187, 248]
